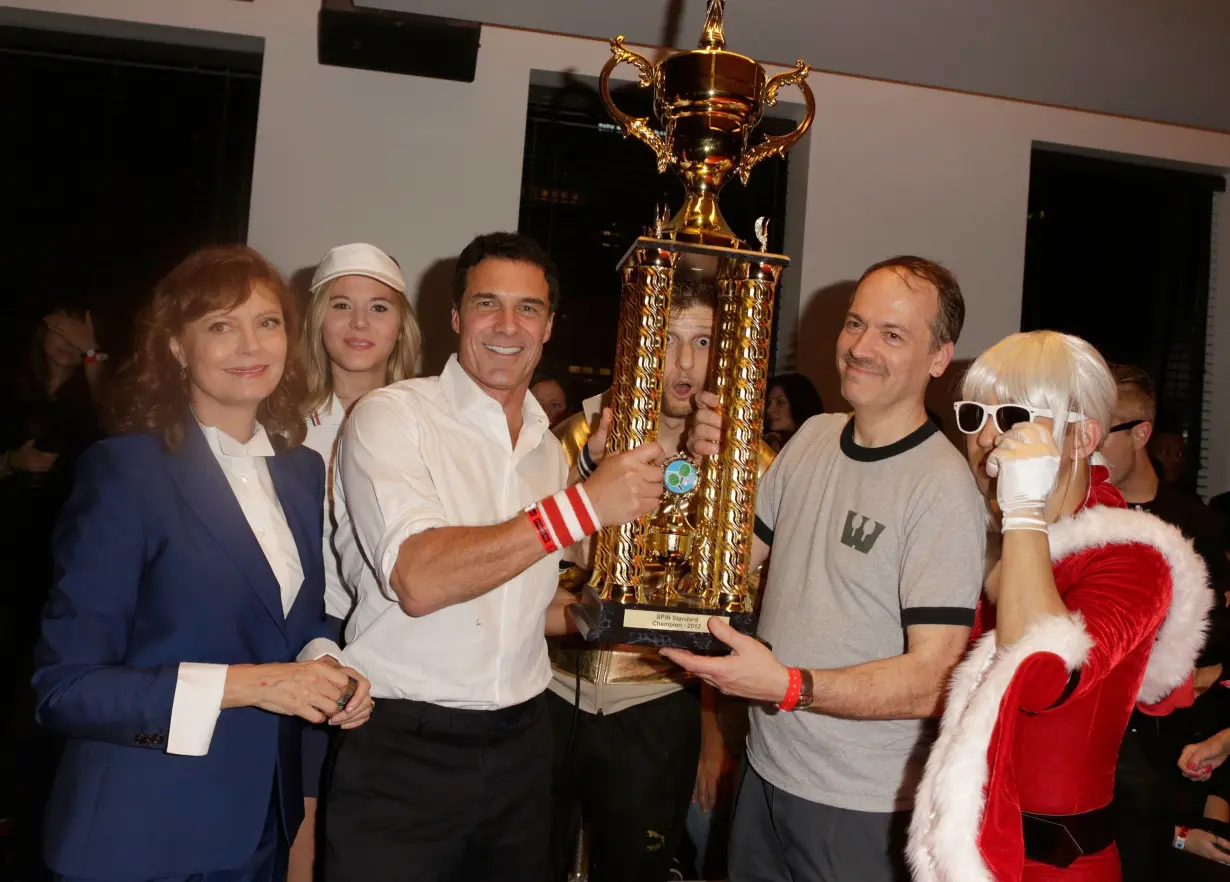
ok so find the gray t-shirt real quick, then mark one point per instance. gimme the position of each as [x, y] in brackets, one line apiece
[865, 542]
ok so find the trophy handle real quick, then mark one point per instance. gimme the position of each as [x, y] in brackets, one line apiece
[639, 127]
[777, 145]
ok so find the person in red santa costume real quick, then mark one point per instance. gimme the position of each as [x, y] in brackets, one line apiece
[1090, 609]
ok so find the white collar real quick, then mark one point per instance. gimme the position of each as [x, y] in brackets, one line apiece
[331, 413]
[464, 393]
[223, 444]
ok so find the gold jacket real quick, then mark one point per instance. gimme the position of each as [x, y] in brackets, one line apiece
[610, 665]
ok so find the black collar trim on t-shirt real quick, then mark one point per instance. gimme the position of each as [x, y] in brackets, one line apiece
[875, 454]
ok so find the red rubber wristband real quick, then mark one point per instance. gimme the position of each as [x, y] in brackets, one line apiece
[540, 527]
[793, 691]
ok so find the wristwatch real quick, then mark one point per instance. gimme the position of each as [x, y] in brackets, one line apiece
[93, 356]
[807, 693]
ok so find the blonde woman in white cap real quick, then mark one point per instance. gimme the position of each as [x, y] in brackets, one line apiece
[360, 334]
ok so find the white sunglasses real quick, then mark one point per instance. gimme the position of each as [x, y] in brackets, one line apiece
[973, 415]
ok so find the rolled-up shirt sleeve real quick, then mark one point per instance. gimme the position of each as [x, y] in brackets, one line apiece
[319, 647]
[389, 492]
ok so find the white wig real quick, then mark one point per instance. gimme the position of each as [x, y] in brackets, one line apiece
[1044, 369]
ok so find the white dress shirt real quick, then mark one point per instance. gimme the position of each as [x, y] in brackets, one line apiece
[199, 686]
[436, 452]
[322, 431]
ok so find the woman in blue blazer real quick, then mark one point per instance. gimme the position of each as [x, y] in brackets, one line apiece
[183, 642]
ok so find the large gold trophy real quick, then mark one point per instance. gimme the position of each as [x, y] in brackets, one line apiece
[657, 580]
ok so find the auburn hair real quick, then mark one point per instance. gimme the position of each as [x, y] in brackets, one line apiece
[151, 393]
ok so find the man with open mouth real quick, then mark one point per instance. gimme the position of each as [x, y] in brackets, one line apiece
[636, 746]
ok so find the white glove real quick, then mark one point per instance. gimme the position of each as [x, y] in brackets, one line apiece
[1026, 463]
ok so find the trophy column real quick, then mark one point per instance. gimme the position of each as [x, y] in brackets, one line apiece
[705, 566]
[640, 357]
[746, 295]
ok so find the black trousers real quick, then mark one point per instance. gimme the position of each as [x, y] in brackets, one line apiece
[423, 793]
[631, 774]
[1145, 817]
[779, 837]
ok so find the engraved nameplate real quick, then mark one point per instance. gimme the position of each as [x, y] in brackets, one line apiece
[656, 620]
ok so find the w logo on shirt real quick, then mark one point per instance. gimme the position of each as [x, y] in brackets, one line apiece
[860, 532]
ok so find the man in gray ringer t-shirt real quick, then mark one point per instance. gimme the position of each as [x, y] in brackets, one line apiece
[877, 535]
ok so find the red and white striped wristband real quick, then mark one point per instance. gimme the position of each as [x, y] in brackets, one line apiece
[563, 519]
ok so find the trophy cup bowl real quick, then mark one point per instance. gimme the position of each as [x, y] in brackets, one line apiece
[669, 538]
[658, 580]
[666, 554]
[709, 101]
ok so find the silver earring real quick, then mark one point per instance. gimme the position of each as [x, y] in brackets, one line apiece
[183, 372]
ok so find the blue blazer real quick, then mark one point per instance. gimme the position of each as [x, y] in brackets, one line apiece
[156, 565]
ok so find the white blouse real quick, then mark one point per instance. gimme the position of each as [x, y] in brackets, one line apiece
[199, 686]
[323, 427]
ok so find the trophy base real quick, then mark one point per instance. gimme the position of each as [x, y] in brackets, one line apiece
[640, 624]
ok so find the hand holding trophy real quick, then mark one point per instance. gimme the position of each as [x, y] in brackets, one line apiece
[705, 439]
[627, 485]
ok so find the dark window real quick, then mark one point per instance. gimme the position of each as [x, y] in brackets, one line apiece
[121, 156]
[1120, 254]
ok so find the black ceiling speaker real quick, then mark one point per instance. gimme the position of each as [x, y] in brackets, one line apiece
[397, 42]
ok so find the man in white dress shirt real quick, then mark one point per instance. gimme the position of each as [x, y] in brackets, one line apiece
[456, 491]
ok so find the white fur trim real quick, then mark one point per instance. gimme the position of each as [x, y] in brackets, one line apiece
[1182, 634]
[949, 804]
[951, 799]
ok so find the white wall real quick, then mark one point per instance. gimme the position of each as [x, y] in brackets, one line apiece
[419, 166]
[1139, 58]
[943, 174]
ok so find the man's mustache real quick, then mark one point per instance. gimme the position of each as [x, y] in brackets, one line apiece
[864, 364]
